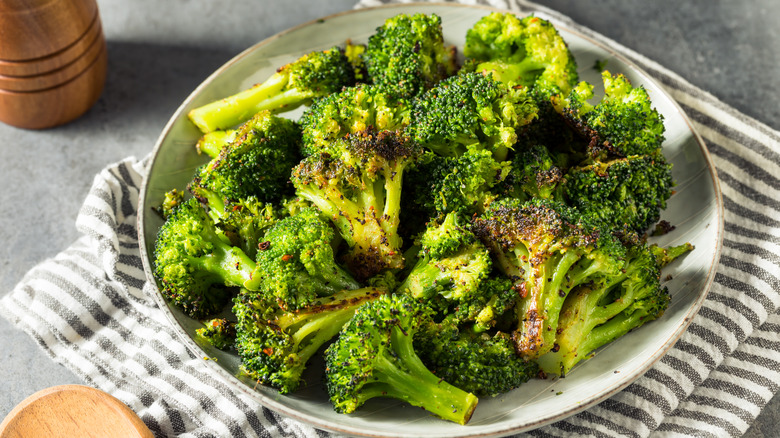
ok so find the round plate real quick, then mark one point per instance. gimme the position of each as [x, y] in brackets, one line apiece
[695, 209]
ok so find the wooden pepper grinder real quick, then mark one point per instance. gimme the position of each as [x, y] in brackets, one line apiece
[53, 61]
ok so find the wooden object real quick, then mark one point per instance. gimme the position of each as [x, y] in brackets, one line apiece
[53, 61]
[72, 411]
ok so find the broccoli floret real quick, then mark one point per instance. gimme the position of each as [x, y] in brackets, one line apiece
[408, 56]
[527, 51]
[360, 190]
[218, 332]
[353, 110]
[535, 173]
[374, 356]
[275, 345]
[597, 314]
[452, 263]
[548, 249]
[211, 143]
[483, 364]
[440, 185]
[622, 193]
[313, 75]
[193, 262]
[622, 123]
[257, 163]
[296, 264]
[488, 307]
[246, 221]
[470, 110]
[172, 199]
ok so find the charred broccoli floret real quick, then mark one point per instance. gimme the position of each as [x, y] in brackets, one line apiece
[360, 190]
[257, 163]
[275, 345]
[535, 172]
[296, 264]
[313, 75]
[194, 262]
[547, 249]
[470, 110]
[622, 193]
[622, 123]
[374, 356]
[354, 110]
[408, 56]
[596, 314]
[218, 332]
[483, 364]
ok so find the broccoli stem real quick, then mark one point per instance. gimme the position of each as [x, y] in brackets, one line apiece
[423, 280]
[212, 142]
[240, 107]
[230, 264]
[314, 330]
[404, 377]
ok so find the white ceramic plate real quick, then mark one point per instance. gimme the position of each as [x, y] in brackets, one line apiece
[695, 209]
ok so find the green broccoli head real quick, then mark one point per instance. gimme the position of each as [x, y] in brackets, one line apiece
[353, 110]
[275, 345]
[441, 185]
[359, 186]
[311, 76]
[256, 164]
[548, 249]
[483, 364]
[452, 263]
[596, 314]
[374, 356]
[296, 264]
[194, 263]
[246, 221]
[624, 194]
[522, 51]
[471, 110]
[407, 54]
[218, 332]
[622, 123]
[536, 172]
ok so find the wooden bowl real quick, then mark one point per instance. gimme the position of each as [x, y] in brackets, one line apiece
[31, 29]
[55, 60]
[58, 105]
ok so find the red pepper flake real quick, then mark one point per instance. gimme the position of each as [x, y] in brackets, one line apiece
[286, 257]
[268, 351]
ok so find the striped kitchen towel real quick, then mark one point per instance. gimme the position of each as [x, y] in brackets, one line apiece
[91, 308]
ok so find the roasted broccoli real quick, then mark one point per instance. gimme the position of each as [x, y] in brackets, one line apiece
[470, 110]
[296, 264]
[358, 186]
[624, 194]
[257, 163]
[407, 54]
[313, 75]
[535, 172]
[374, 356]
[275, 345]
[483, 364]
[354, 110]
[547, 249]
[218, 332]
[622, 123]
[194, 262]
[598, 313]
[522, 51]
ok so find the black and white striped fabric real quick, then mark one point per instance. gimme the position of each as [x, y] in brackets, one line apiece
[90, 307]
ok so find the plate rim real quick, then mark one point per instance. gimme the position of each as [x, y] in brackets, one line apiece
[328, 425]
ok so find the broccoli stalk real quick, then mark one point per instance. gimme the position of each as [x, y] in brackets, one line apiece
[597, 314]
[312, 75]
[374, 356]
[360, 190]
[275, 345]
[547, 249]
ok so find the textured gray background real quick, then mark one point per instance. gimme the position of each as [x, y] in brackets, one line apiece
[160, 50]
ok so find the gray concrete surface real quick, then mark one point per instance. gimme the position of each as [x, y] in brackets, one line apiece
[159, 51]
